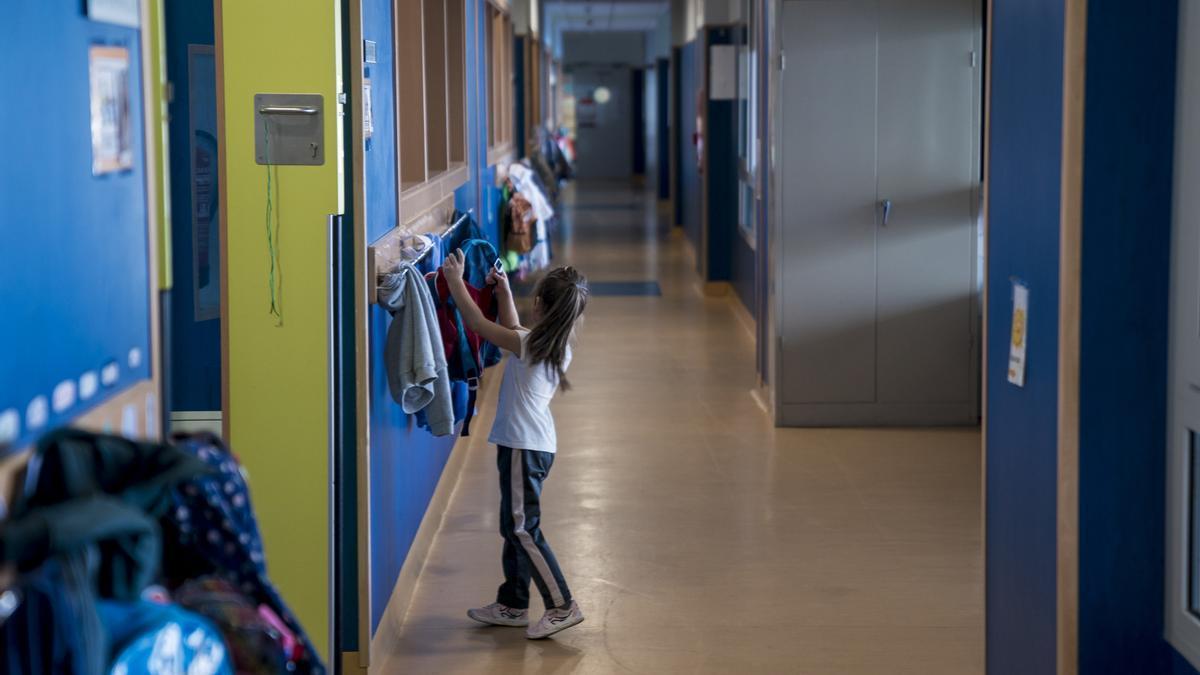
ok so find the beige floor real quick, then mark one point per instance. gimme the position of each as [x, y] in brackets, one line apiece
[696, 537]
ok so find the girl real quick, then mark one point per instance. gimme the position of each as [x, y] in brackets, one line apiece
[524, 436]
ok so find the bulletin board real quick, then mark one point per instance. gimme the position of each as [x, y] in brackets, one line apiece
[75, 266]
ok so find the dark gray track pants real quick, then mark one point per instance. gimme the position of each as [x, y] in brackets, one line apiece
[526, 552]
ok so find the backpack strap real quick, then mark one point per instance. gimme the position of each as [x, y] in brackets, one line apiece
[470, 367]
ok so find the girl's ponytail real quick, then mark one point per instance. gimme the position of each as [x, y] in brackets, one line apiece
[562, 295]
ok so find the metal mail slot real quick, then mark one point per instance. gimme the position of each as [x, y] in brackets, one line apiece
[289, 129]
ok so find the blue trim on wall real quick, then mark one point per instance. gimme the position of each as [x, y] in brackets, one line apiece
[89, 304]
[742, 272]
[1127, 179]
[195, 364]
[1022, 436]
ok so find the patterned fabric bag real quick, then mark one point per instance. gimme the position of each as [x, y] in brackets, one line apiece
[213, 522]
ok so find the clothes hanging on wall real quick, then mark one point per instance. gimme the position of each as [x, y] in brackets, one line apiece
[520, 221]
[467, 354]
[463, 233]
[55, 628]
[213, 520]
[99, 519]
[522, 178]
[152, 638]
[84, 489]
[526, 218]
[413, 353]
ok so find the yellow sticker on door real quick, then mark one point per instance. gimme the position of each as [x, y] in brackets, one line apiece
[1020, 330]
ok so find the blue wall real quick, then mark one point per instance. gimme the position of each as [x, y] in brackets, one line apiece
[720, 181]
[406, 461]
[195, 345]
[637, 113]
[1129, 142]
[662, 83]
[689, 198]
[1024, 170]
[677, 133]
[75, 280]
[742, 272]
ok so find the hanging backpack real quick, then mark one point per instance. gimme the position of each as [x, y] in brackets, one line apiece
[467, 354]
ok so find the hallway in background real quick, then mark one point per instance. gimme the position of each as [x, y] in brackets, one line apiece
[695, 535]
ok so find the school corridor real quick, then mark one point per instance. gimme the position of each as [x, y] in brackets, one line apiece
[697, 537]
[890, 363]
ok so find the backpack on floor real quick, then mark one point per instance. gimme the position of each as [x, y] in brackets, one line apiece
[467, 354]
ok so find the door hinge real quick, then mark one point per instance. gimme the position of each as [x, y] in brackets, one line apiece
[782, 60]
[974, 58]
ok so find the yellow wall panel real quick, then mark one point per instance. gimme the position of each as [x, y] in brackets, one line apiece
[277, 371]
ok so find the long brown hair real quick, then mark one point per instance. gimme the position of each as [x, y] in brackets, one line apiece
[562, 295]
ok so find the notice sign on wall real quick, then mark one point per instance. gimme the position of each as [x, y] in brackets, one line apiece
[722, 74]
[368, 118]
[1020, 331]
[120, 12]
[112, 125]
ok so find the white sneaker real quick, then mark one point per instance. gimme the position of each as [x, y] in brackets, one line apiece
[555, 620]
[497, 614]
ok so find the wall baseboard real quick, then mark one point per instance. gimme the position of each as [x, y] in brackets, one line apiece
[418, 552]
[351, 664]
[743, 315]
[714, 289]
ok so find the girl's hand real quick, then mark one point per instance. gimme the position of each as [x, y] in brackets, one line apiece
[452, 268]
[499, 279]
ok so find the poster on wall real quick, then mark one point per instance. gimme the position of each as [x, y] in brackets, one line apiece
[206, 212]
[112, 124]
[1020, 329]
[368, 118]
[120, 12]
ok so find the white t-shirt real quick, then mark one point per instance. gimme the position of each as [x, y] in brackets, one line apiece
[523, 419]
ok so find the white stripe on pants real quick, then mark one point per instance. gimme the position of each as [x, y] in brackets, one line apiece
[541, 568]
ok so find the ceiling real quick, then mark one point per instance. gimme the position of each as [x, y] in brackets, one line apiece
[591, 15]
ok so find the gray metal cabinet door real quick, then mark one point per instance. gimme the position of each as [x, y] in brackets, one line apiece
[927, 170]
[827, 270]
[1183, 471]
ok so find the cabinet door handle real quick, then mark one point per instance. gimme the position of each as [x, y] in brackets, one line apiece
[886, 205]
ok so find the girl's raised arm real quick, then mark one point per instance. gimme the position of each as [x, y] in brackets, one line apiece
[504, 338]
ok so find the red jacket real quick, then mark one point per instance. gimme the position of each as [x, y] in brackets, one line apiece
[485, 300]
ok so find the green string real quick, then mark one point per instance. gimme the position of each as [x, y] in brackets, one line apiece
[270, 235]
